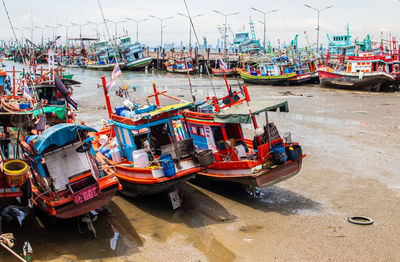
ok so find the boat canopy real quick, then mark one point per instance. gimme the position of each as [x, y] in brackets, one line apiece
[174, 107]
[241, 113]
[58, 135]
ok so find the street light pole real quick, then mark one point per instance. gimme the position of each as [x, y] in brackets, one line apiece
[225, 27]
[190, 27]
[318, 11]
[265, 23]
[161, 21]
[97, 27]
[116, 25]
[137, 25]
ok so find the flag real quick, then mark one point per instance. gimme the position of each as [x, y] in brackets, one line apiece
[115, 74]
[27, 94]
[222, 64]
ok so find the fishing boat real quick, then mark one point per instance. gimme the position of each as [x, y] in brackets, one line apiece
[103, 58]
[66, 181]
[133, 54]
[182, 65]
[367, 72]
[141, 146]
[276, 72]
[217, 125]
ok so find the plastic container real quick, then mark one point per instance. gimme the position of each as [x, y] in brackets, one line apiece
[278, 153]
[116, 155]
[140, 158]
[103, 139]
[15, 171]
[205, 158]
[118, 110]
[294, 151]
[167, 164]
[104, 150]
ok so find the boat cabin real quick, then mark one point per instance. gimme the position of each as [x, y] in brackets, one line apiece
[130, 52]
[367, 62]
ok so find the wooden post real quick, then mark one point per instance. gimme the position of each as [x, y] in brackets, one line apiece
[196, 55]
[148, 51]
[108, 103]
[14, 82]
[158, 57]
[156, 94]
[162, 59]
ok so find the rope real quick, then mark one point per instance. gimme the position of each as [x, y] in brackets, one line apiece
[198, 44]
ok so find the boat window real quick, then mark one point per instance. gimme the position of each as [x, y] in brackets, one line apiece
[201, 131]
[119, 135]
[65, 163]
[127, 137]
[194, 130]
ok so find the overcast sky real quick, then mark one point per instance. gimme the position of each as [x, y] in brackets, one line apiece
[364, 16]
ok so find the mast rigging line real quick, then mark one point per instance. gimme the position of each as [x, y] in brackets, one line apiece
[198, 44]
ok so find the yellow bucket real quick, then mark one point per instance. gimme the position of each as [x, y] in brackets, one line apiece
[15, 171]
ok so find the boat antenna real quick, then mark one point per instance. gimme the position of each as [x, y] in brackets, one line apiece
[198, 44]
[114, 44]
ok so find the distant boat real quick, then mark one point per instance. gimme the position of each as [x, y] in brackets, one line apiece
[368, 72]
[181, 65]
[66, 181]
[133, 54]
[104, 58]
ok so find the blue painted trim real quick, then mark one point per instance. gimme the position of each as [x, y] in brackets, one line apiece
[147, 125]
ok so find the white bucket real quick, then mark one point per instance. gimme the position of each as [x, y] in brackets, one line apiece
[158, 172]
[103, 139]
[116, 155]
[140, 158]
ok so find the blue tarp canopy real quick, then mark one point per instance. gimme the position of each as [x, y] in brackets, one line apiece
[58, 135]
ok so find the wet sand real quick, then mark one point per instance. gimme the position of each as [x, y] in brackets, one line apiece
[352, 142]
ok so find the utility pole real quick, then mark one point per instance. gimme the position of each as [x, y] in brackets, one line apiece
[190, 27]
[226, 25]
[161, 22]
[265, 24]
[137, 25]
[318, 11]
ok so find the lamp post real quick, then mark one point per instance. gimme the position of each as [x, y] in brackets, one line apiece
[226, 18]
[161, 22]
[53, 27]
[22, 33]
[137, 25]
[264, 23]
[116, 25]
[66, 32]
[190, 27]
[80, 28]
[41, 28]
[318, 11]
[97, 28]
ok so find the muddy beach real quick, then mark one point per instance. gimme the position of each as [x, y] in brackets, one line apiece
[352, 142]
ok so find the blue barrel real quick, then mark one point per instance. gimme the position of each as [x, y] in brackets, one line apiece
[104, 150]
[279, 147]
[167, 164]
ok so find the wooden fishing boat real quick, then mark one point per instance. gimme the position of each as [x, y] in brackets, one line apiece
[143, 150]
[366, 72]
[253, 78]
[66, 181]
[181, 65]
[133, 54]
[228, 72]
[263, 161]
[103, 67]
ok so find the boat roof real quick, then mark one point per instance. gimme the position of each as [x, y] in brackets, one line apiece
[242, 113]
[58, 135]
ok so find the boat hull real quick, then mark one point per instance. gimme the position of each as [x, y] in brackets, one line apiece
[139, 63]
[108, 67]
[267, 80]
[263, 178]
[229, 72]
[182, 71]
[367, 81]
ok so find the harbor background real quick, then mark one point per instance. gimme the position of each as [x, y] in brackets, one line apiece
[351, 140]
